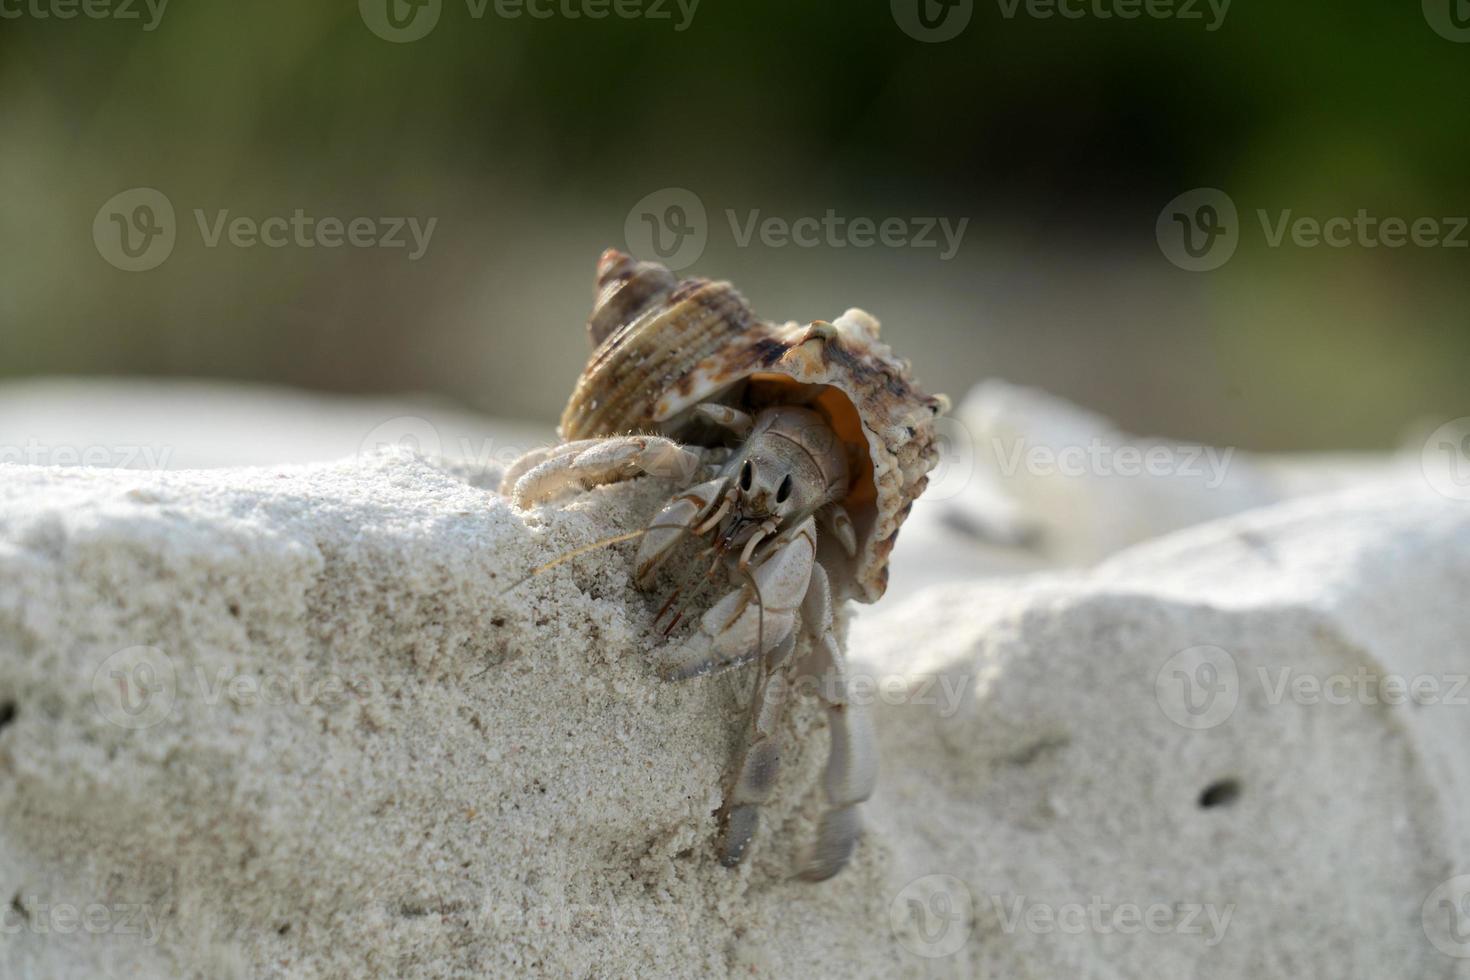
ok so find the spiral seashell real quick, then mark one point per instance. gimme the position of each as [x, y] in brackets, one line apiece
[662, 346]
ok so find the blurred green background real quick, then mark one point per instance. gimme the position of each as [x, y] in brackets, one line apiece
[530, 139]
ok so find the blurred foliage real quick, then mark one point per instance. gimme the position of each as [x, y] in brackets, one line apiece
[529, 139]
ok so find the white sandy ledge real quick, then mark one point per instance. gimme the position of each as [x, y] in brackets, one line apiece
[506, 787]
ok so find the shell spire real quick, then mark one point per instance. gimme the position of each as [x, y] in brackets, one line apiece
[625, 288]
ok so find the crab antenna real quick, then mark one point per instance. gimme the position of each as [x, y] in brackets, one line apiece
[760, 610]
[760, 533]
[685, 588]
[568, 556]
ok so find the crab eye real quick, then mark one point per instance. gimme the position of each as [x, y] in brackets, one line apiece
[747, 473]
[784, 490]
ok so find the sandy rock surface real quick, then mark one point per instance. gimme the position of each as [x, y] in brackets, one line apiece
[294, 721]
[173, 424]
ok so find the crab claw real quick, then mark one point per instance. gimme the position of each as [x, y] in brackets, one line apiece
[749, 622]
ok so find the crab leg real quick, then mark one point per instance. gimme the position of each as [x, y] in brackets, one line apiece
[535, 457]
[736, 421]
[852, 760]
[748, 622]
[834, 518]
[760, 761]
[604, 461]
[680, 517]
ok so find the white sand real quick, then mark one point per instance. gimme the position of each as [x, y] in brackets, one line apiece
[415, 774]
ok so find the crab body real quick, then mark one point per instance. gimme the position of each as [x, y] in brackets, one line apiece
[798, 450]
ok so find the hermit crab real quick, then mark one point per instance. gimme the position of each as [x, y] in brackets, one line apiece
[798, 450]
